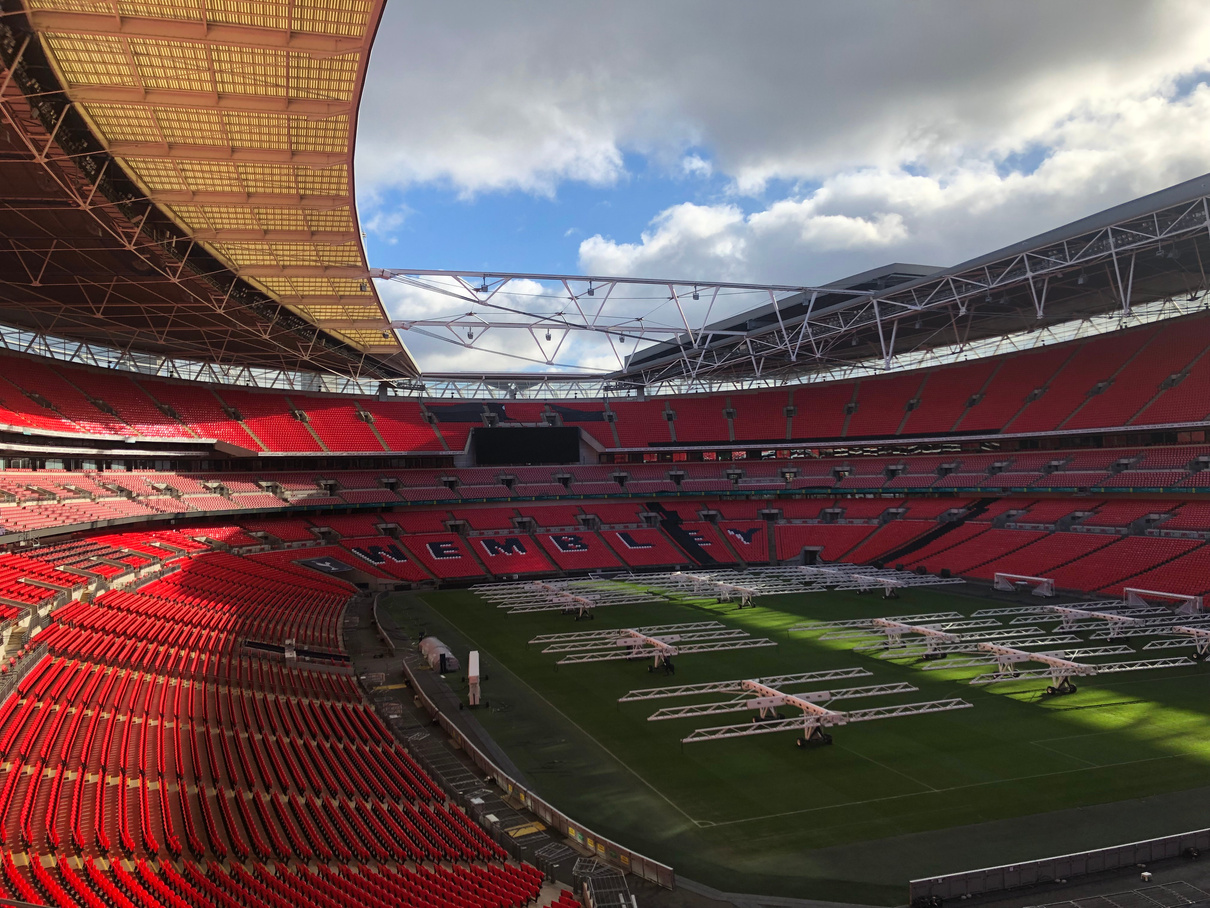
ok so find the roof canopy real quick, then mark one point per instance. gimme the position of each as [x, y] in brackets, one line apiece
[178, 180]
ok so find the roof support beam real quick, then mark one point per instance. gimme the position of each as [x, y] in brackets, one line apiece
[354, 271]
[198, 31]
[156, 97]
[250, 199]
[181, 152]
[330, 237]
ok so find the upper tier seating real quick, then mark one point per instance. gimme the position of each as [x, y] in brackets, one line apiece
[201, 410]
[590, 417]
[338, 425]
[401, 425]
[699, 418]
[1154, 374]
[1070, 385]
[944, 397]
[641, 423]
[760, 416]
[269, 417]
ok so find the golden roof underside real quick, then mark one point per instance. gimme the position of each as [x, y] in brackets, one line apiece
[236, 118]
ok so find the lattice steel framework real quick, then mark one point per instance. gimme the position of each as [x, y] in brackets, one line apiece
[1152, 249]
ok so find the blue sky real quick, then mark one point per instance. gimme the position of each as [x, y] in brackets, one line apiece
[512, 230]
[762, 142]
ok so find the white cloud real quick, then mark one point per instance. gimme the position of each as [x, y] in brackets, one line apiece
[849, 135]
[860, 218]
[385, 223]
[528, 94]
[696, 166]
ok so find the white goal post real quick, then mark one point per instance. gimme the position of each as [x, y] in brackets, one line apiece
[1180, 603]
[1041, 586]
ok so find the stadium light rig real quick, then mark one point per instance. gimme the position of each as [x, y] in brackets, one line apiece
[813, 719]
[1060, 670]
[658, 643]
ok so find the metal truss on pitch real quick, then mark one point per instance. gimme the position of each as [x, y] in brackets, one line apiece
[726, 687]
[746, 586]
[862, 578]
[658, 643]
[1200, 635]
[765, 696]
[987, 642]
[728, 584]
[578, 596]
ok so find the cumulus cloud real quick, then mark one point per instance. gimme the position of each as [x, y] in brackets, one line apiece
[528, 94]
[844, 135]
[859, 218]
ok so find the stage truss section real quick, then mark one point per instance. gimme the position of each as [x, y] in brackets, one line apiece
[840, 576]
[659, 644]
[813, 719]
[764, 696]
[578, 597]
[983, 640]
[727, 687]
[1201, 641]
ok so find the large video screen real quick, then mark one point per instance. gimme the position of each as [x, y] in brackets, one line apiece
[519, 446]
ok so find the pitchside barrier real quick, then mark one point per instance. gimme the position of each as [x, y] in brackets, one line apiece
[606, 850]
[1060, 867]
[382, 635]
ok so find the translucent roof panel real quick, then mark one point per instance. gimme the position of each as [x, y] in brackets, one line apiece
[236, 118]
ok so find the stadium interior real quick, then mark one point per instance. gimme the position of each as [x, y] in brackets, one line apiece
[183, 721]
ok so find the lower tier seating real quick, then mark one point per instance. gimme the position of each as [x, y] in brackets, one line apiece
[153, 760]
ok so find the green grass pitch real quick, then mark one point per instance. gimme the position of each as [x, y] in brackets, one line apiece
[889, 801]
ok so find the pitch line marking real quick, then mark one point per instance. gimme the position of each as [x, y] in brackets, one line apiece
[1062, 753]
[1042, 775]
[887, 768]
[592, 738]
